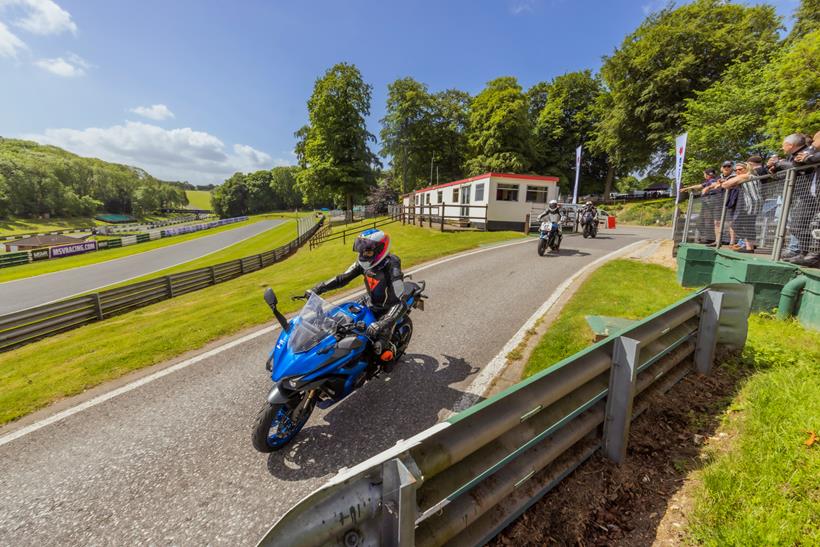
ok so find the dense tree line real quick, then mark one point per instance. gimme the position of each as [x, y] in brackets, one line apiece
[717, 69]
[258, 192]
[37, 180]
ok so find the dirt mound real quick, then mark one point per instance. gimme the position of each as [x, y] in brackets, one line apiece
[638, 503]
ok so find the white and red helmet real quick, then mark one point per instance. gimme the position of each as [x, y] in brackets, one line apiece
[373, 246]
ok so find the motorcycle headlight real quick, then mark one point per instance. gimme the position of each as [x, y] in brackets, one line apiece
[291, 383]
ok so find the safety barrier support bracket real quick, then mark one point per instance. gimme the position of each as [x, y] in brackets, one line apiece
[622, 376]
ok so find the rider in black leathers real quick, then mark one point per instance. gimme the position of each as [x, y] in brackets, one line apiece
[383, 280]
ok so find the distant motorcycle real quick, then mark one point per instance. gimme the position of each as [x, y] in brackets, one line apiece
[322, 356]
[590, 224]
[549, 236]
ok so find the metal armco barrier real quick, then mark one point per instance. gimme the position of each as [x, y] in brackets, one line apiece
[26, 326]
[465, 479]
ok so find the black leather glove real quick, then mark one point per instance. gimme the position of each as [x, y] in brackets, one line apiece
[374, 330]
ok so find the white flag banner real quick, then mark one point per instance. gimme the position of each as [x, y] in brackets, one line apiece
[680, 152]
[577, 174]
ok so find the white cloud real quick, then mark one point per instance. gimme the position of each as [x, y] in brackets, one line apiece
[10, 44]
[517, 7]
[42, 17]
[69, 67]
[154, 112]
[170, 154]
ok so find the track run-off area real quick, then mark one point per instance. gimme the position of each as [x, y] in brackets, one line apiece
[168, 459]
[28, 292]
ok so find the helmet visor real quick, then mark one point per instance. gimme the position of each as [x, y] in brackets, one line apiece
[367, 248]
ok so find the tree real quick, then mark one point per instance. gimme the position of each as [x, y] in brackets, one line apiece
[407, 131]
[727, 120]
[230, 199]
[806, 19]
[283, 185]
[499, 133]
[568, 118]
[333, 149]
[381, 196]
[673, 54]
[796, 86]
[451, 120]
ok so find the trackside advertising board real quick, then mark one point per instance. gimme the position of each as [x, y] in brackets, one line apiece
[40, 254]
[72, 249]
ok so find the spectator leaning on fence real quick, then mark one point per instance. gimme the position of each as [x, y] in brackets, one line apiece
[706, 219]
[746, 198]
[805, 204]
[726, 174]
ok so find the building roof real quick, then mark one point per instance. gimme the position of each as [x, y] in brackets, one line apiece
[45, 240]
[658, 186]
[488, 175]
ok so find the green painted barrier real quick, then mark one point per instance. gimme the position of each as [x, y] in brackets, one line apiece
[13, 259]
[142, 238]
[809, 311]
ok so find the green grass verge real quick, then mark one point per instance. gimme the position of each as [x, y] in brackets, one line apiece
[14, 226]
[40, 373]
[56, 265]
[656, 212]
[610, 290]
[763, 487]
[199, 199]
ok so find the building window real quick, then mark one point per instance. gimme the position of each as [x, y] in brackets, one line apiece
[417, 199]
[428, 198]
[506, 192]
[537, 194]
[440, 196]
[479, 192]
[455, 195]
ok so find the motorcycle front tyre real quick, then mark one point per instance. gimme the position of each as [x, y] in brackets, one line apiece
[542, 247]
[264, 422]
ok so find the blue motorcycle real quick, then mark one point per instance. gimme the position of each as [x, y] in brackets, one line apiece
[322, 356]
[548, 236]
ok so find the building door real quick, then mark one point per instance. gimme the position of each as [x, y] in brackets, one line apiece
[465, 200]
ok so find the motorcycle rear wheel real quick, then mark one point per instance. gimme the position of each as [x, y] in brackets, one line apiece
[401, 337]
[274, 427]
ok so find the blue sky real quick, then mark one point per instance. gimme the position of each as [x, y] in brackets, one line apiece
[195, 90]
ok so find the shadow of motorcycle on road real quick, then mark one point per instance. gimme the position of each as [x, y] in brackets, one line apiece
[396, 406]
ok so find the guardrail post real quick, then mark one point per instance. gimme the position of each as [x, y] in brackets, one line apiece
[619, 399]
[398, 504]
[213, 276]
[261, 265]
[707, 331]
[98, 306]
[441, 216]
[170, 286]
[527, 223]
[780, 235]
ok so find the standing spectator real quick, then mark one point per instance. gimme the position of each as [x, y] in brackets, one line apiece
[742, 217]
[804, 212]
[726, 174]
[793, 145]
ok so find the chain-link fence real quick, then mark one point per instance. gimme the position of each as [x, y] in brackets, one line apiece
[775, 215]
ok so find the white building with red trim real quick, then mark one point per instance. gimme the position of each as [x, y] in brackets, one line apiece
[506, 197]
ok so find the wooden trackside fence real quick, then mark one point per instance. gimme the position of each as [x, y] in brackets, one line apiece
[23, 327]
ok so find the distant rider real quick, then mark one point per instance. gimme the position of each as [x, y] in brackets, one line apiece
[589, 207]
[553, 213]
[384, 282]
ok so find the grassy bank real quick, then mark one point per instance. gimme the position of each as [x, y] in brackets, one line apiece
[199, 199]
[657, 212]
[611, 291]
[270, 239]
[38, 374]
[14, 226]
[48, 266]
[762, 486]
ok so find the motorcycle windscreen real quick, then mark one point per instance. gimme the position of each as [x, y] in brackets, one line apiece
[317, 320]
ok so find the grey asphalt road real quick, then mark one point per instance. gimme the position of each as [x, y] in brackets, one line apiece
[171, 462]
[33, 291]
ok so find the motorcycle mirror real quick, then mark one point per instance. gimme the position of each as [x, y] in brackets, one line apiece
[270, 298]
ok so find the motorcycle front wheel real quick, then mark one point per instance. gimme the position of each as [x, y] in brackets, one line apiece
[542, 246]
[275, 426]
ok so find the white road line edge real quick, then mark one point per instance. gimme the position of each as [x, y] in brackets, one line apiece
[488, 373]
[5, 439]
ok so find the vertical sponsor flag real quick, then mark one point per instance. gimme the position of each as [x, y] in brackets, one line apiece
[577, 173]
[680, 152]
